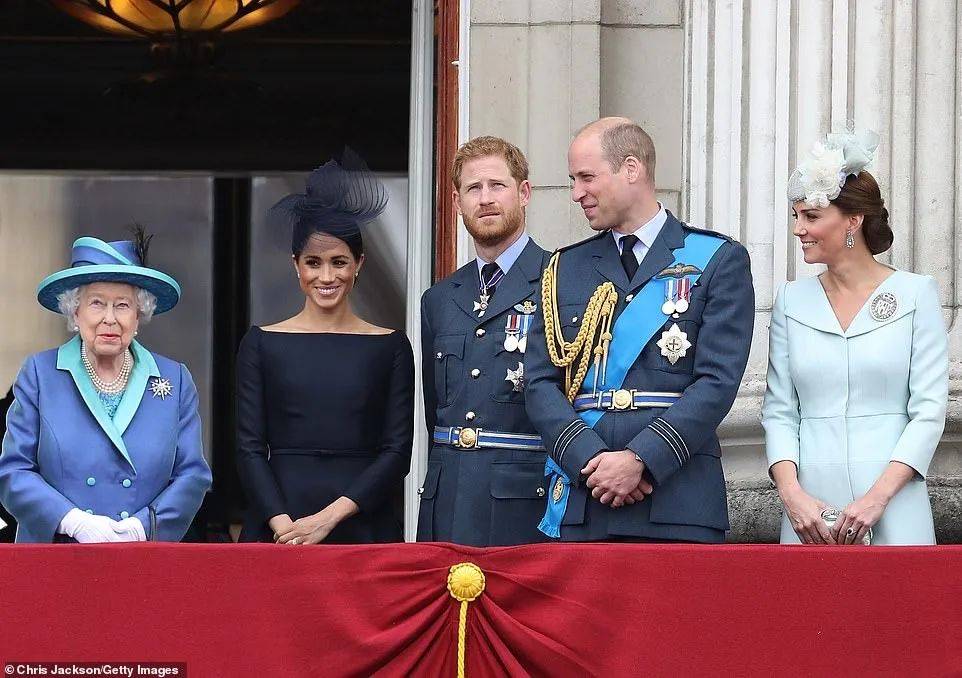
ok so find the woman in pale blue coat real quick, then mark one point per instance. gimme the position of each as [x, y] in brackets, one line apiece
[858, 367]
[103, 438]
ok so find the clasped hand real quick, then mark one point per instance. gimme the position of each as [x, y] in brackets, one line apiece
[89, 528]
[615, 478]
[312, 529]
[857, 519]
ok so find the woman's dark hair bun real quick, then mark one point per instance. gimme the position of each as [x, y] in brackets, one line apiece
[861, 195]
[878, 235]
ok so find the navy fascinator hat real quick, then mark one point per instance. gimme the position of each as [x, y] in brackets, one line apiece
[338, 200]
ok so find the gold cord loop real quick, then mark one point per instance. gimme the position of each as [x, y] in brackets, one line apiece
[594, 335]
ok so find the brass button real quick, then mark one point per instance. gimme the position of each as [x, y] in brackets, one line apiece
[479, 332]
[475, 373]
[629, 297]
[421, 490]
[574, 319]
[540, 491]
[439, 355]
[469, 416]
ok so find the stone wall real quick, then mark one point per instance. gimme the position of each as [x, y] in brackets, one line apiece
[732, 92]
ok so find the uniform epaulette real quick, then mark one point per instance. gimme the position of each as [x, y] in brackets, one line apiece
[706, 231]
[581, 242]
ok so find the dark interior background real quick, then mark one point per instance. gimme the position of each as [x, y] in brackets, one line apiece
[279, 98]
[276, 97]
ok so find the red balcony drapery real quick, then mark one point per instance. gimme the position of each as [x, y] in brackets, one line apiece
[559, 610]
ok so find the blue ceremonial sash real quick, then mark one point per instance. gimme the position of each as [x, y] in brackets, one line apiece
[551, 522]
[642, 317]
[632, 331]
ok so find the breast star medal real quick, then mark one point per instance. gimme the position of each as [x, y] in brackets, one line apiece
[884, 306]
[161, 388]
[516, 377]
[674, 344]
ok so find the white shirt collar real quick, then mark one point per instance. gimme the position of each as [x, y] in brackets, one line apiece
[649, 231]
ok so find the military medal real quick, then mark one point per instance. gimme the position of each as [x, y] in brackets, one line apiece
[526, 321]
[677, 294]
[161, 388]
[512, 330]
[481, 305]
[516, 377]
[674, 344]
[884, 306]
[516, 332]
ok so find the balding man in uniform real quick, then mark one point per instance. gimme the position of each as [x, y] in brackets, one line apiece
[637, 357]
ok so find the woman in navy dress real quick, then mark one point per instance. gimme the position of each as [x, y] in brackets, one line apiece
[325, 400]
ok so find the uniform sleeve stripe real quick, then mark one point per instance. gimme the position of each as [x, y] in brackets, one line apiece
[560, 439]
[678, 444]
[681, 441]
[571, 438]
[668, 439]
[570, 434]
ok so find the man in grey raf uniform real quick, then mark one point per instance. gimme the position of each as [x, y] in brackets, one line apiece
[637, 357]
[484, 484]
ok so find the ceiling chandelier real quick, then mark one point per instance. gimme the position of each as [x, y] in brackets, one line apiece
[174, 20]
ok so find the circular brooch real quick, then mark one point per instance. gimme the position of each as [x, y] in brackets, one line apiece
[884, 306]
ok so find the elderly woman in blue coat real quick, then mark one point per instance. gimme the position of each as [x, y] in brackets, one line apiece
[103, 439]
[858, 366]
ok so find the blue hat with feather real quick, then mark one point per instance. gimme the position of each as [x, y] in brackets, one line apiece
[123, 261]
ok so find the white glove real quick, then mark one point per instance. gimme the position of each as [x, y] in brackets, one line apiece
[129, 529]
[88, 528]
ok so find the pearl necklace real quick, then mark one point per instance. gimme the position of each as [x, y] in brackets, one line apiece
[112, 387]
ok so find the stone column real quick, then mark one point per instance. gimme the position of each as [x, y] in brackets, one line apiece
[803, 69]
[540, 69]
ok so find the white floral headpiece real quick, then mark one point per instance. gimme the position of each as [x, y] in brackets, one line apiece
[820, 177]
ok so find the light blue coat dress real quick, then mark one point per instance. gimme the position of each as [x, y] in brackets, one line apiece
[842, 404]
[62, 450]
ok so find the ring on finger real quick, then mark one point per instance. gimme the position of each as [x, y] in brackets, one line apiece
[850, 532]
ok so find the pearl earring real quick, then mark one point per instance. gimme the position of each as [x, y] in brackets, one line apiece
[76, 328]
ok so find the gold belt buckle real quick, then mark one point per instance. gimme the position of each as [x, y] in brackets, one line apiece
[468, 438]
[621, 399]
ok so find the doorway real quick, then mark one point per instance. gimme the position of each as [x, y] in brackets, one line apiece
[95, 139]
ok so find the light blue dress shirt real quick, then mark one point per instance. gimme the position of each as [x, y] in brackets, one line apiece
[507, 258]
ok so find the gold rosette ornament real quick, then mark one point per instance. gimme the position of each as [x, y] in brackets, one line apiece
[465, 584]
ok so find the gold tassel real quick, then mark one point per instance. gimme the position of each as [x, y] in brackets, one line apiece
[465, 584]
